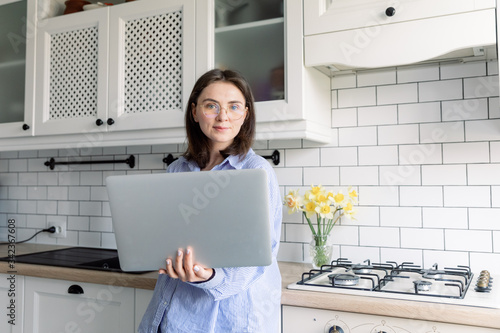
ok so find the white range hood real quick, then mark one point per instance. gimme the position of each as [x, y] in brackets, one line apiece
[464, 36]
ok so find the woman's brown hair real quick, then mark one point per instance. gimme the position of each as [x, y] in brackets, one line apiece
[198, 148]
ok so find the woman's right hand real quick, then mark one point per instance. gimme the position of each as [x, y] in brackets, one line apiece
[184, 269]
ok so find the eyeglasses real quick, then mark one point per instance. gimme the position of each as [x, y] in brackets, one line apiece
[234, 111]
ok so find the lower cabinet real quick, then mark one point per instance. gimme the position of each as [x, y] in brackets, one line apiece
[12, 297]
[60, 306]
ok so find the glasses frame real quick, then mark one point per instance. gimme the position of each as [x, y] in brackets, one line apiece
[228, 113]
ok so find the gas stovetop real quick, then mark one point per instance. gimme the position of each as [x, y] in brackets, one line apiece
[454, 285]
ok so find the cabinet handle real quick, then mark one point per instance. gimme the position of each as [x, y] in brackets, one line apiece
[99, 122]
[75, 289]
[110, 121]
[26, 127]
[391, 11]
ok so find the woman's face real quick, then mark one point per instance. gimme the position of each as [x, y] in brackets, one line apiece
[223, 127]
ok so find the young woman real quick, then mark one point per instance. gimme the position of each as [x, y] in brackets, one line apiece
[220, 125]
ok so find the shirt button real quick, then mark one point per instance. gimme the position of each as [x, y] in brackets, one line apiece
[164, 303]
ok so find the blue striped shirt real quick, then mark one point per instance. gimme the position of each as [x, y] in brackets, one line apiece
[236, 299]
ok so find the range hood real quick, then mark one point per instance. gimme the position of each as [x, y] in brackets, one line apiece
[461, 37]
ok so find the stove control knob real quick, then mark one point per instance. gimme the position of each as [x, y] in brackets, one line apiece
[335, 329]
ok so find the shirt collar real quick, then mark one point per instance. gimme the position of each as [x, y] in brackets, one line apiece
[232, 160]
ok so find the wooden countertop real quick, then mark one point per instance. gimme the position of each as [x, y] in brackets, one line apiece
[290, 272]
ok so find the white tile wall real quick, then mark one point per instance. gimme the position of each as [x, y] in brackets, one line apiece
[421, 144]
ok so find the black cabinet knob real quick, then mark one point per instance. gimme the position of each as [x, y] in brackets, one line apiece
[75, 289]
[110, 121]
[26, 127]
[391, 11]
[99, 122]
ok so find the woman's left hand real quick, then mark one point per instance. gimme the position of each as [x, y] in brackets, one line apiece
[184, 269]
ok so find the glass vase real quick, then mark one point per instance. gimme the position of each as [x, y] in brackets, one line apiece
[320, 250]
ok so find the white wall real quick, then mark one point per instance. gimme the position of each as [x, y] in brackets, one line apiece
[420, 144]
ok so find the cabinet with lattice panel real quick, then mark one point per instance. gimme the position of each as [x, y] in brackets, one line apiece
[118, 68]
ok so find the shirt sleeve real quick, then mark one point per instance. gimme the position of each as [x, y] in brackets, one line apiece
[232, 280]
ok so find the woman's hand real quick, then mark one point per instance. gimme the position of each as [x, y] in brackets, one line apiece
[184, 269]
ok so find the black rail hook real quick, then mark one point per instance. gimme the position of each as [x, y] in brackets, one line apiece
[275, 157]
[129, 161]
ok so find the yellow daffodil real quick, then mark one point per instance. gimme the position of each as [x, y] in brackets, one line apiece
[314, 192]
[324, 210]
[293, 201]
[310, 208]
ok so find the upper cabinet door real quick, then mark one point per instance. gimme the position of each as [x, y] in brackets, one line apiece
[71, 73]
[322, 16]
[151, 63]
[264, 41]
[16, 75]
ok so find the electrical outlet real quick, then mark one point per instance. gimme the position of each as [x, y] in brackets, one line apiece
[60, 229]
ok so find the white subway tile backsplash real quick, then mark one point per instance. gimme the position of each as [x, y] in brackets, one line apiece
[468, 240]
[398, 134]
[444, 174]
[477, 152]
[358, 136]
[440, 90]
[466, 109]
[362, 175]
[442, 132]
[397, 94]
[381, 236]
[344, 117]
[378, 196]
[418, 73]
[467, 196]
[401, 216]
[18, 165]
[378, 115]
[420, 154]
[445, 258]
[444, 218]
[484, 218]
[488, 261]
[289, 176]
[483, 174]
[302, 157]
[481, 87]
[89, 239]
[378, 155]
[415, 238]
[326, 176]
[79, 193]
[376, 77]
[400, 175]
[482, 130]
[458, 70]
[348, 98]
[345, 235]
[90, 208]
[343, 81]
[419, 113]
[430, 196]
[494, 107]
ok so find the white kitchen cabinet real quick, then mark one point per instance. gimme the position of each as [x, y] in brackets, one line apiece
[66, 306]
[16, 74]
[264, 41]
[12, 296]
[359, 34]
[118, 68]
[298, 319]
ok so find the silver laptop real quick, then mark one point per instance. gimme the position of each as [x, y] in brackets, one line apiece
[222, 215]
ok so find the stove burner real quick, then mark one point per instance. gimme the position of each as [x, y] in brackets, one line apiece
[433, 273]
[362, 269]
[344, 279]
[422, 285]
